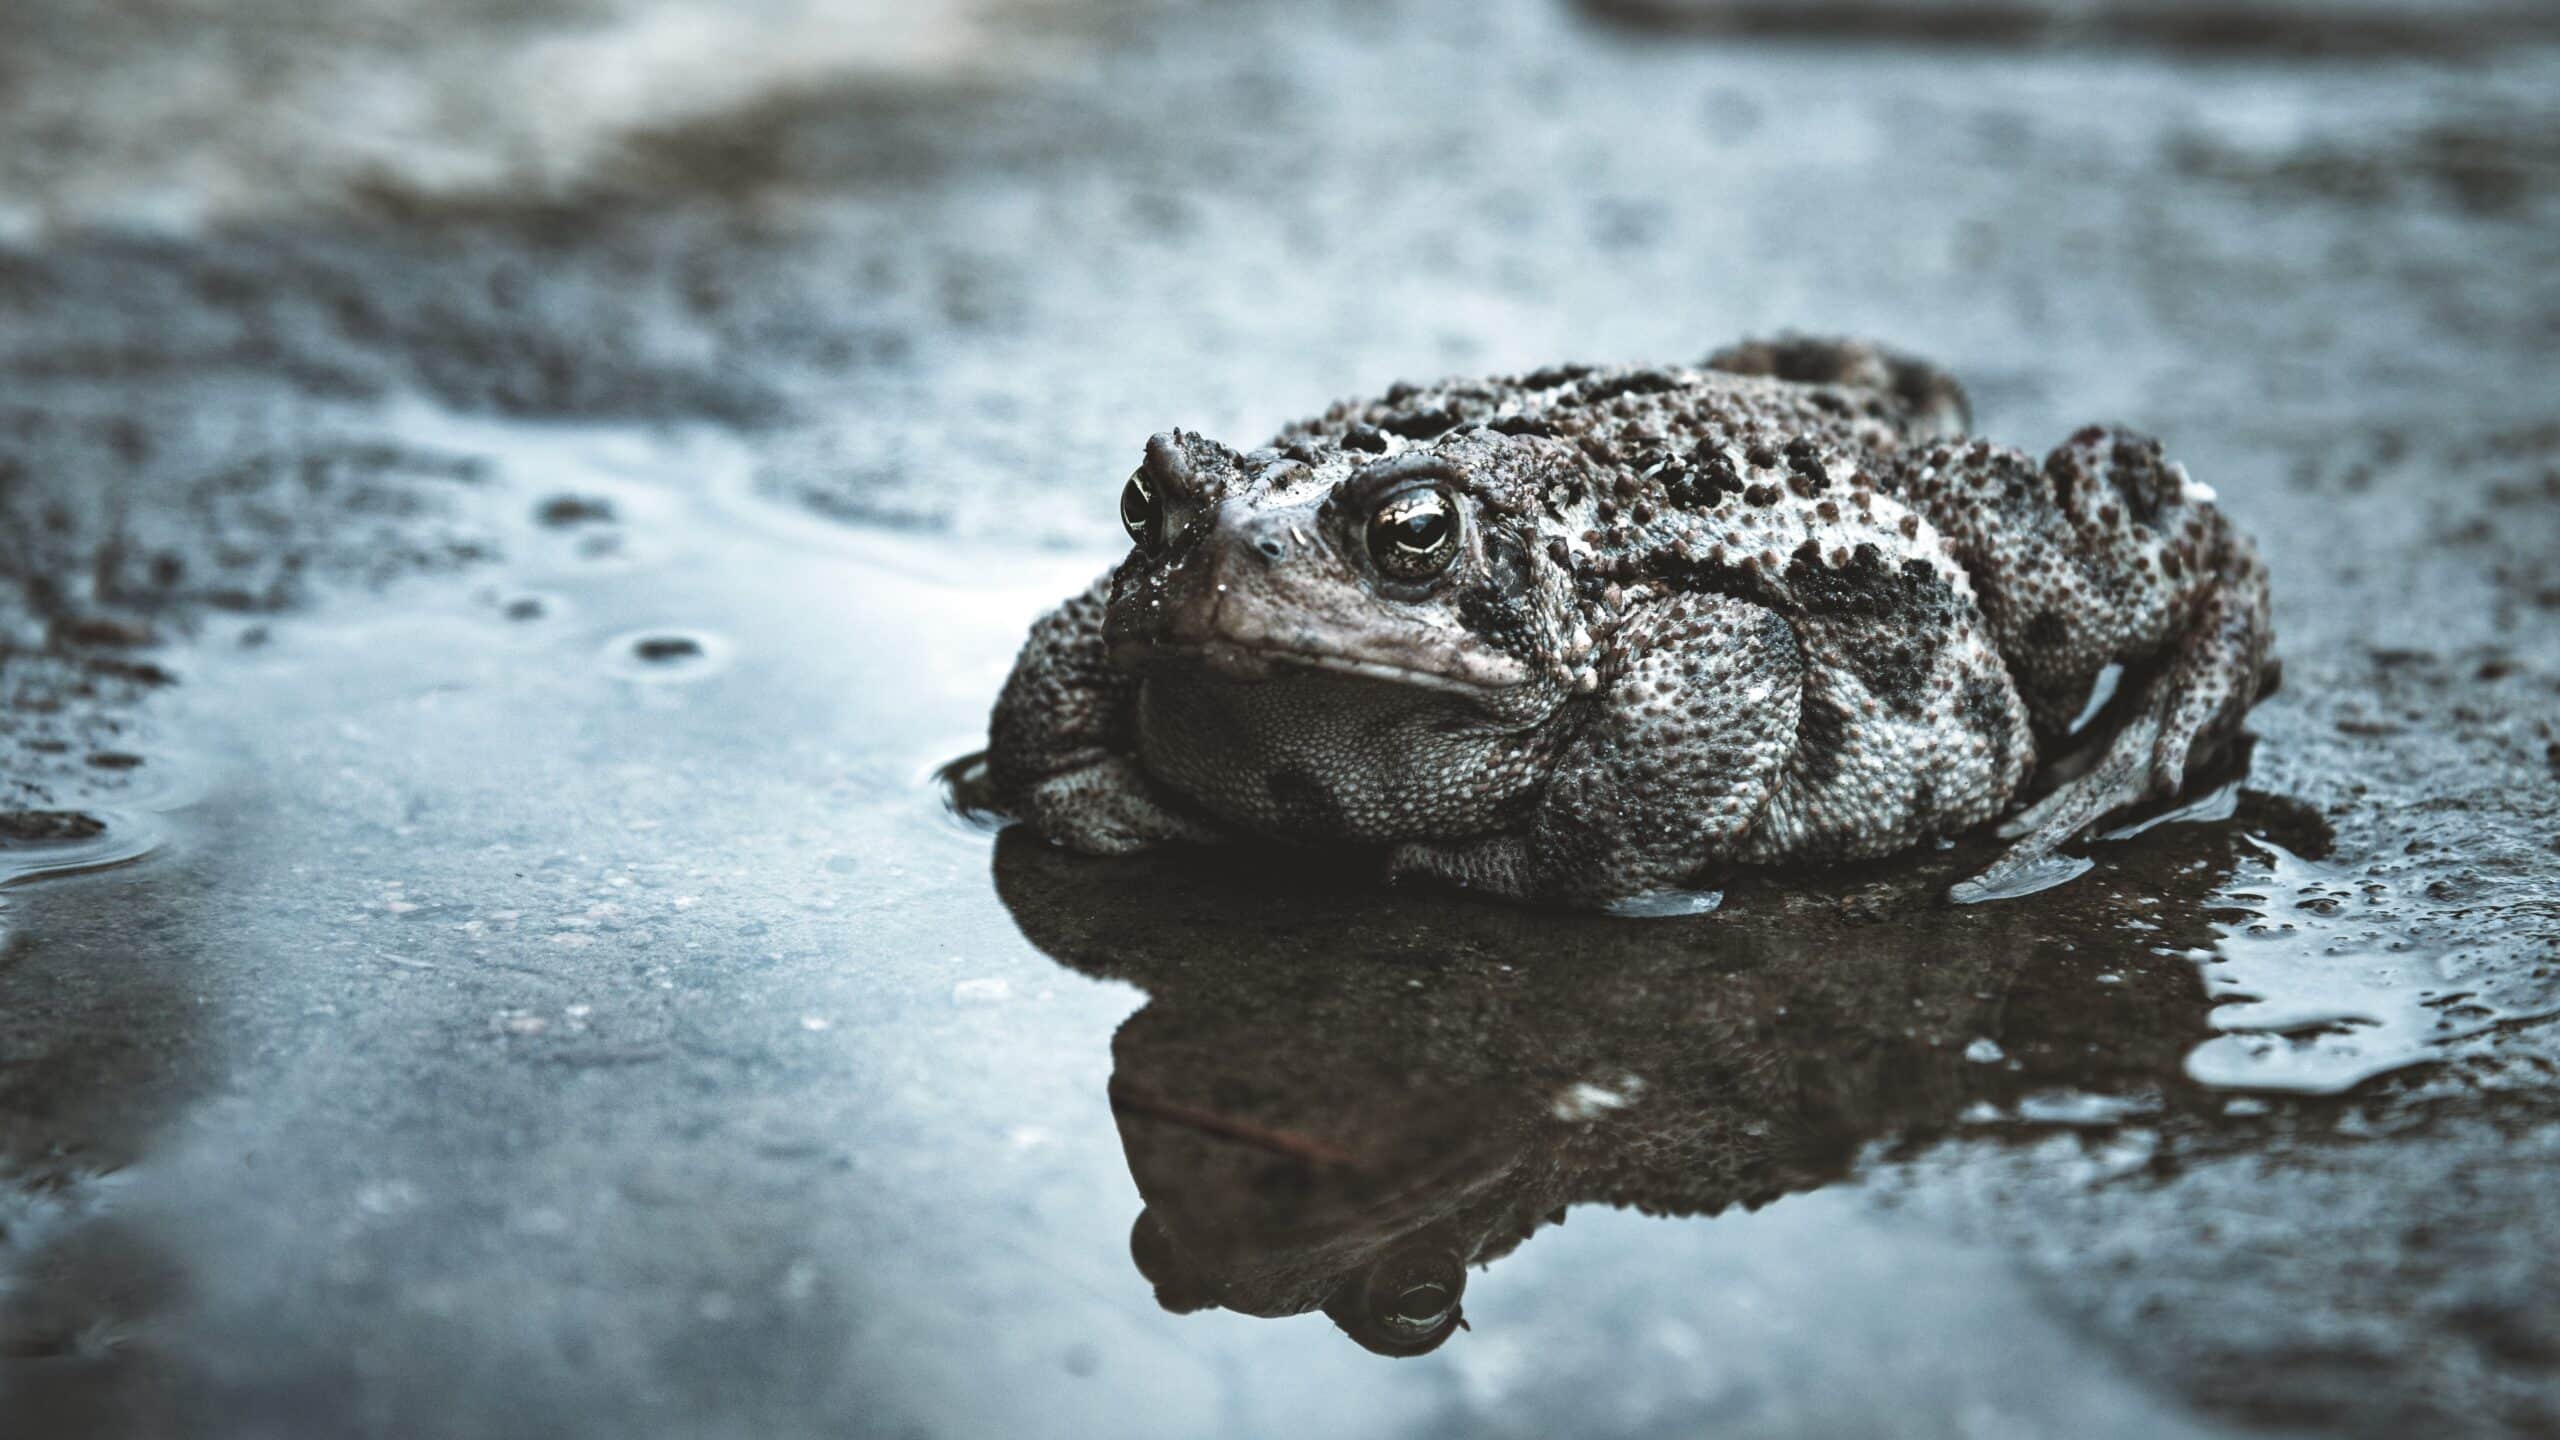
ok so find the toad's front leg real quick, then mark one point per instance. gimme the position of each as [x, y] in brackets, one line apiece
[1676, 760]
[1061, 746]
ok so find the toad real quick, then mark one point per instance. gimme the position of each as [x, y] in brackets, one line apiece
[1590, 635]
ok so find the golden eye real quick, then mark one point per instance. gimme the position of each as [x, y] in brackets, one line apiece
[1141, 513]
[1414, 535]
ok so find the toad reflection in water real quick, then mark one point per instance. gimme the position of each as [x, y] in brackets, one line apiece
[1340, 1099]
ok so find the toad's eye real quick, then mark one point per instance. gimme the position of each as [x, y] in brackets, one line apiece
[1414, 535]
[1141, 511]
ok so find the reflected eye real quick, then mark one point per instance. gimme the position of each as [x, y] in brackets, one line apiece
[1141, 513]
[1418, 1308]
[1414, 535]
[1414, 1297]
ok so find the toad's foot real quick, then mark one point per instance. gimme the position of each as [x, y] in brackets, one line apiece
[2188, 713]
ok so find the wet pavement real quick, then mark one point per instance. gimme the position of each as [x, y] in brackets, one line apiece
[484, 949]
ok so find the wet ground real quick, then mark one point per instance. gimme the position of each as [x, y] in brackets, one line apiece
[502, 520]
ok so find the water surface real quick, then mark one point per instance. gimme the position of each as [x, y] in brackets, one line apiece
[570, 999]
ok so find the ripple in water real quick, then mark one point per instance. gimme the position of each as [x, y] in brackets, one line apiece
[35, 844]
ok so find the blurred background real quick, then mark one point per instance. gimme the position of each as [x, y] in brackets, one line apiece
[961, 251]
[364, 368]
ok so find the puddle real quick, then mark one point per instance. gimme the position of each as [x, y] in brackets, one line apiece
[2319, 987]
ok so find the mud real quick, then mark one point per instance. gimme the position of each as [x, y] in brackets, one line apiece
[483, 599]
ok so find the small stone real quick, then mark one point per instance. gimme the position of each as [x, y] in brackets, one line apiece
[48, 827]
[662, 649]
[562, 511]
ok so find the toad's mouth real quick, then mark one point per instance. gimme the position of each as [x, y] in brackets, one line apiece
[1453, 672]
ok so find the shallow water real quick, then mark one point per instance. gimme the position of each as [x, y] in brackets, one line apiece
[569, 998]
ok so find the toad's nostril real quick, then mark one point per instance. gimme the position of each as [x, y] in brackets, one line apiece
[1270, 547]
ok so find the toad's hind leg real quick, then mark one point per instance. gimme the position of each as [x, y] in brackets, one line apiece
[2185, 715]
[1932, 404]
[2106, 555]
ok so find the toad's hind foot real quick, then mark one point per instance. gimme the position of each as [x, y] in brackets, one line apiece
[2123, 777]
[2187, 715]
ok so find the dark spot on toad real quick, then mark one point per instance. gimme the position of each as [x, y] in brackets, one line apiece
[1822, 735]
[2048, 631]
[1907, 608]
[1806, 475]
[1553, 376]
[1419, 424]
[1986, 713]
[1493, 610]
[1634, 382]
[2134, 469]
